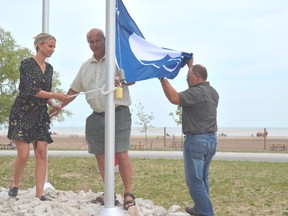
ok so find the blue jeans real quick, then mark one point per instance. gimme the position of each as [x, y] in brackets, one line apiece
[197, 153]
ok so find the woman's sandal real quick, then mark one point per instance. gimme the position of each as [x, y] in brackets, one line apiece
[128, 203]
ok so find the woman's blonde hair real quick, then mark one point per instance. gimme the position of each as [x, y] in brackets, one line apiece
[42, 38]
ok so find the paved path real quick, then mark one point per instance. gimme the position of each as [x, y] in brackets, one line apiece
[230, 156]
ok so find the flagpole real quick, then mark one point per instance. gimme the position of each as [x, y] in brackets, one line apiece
[109, 208]
[45, 29]
[45, 16]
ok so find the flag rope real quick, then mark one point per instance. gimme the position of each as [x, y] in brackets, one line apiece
[94, 90]
[118, 36]
[90, 91]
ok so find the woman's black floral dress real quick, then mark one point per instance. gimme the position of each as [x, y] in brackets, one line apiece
[29, 119]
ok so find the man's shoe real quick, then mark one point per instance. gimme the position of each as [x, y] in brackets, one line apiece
[44, 198]
[191, 211]
[13, 191]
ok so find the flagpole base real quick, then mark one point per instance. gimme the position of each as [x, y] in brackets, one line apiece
[48, 185]
[110, 212]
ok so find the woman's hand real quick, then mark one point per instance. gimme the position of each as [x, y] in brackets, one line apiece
[55, 110]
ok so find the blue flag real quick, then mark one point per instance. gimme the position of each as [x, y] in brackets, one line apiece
[139, 58]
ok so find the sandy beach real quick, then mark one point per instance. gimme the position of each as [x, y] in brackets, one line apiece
[228, 144]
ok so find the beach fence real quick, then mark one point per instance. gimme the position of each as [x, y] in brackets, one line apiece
[163, 140]
[249, 140]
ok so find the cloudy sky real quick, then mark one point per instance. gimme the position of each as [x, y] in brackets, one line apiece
[242, 43]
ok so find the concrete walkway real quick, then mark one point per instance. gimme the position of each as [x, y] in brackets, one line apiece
[229, 156]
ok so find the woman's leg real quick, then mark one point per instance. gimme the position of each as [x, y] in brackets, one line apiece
[40, 151]
[23, 150]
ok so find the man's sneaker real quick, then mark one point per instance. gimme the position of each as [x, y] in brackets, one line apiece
[191, 211]
[13, 191]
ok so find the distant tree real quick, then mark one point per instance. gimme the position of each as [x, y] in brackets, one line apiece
[144, 120]
[177, 116]
[11, 55]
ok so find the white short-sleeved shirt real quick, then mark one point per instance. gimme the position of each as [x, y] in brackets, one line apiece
[91, 76]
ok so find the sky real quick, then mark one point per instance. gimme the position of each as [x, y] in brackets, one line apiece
[242, 43]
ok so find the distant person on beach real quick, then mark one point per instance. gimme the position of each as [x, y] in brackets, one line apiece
[262, 133]
[92, 76]
[29, 120]
[199, 125]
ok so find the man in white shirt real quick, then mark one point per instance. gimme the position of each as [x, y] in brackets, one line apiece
[92, 76]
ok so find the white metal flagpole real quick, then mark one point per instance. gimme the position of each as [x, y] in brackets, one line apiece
[45, 28]
[109, 208]
[45, 16]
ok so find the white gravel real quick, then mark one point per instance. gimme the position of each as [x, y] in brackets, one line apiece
[69, 203]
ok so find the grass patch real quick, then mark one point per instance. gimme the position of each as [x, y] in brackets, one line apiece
[237, 188]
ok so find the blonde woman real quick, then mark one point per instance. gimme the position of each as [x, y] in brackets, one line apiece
[28, 119]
